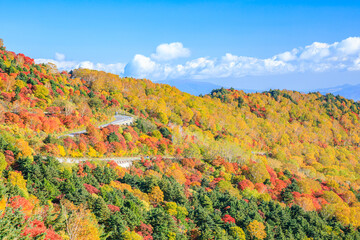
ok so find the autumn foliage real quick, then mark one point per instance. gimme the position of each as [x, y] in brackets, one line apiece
[227, 165]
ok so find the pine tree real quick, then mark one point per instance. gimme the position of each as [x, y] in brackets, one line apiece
[12, 223]
[101, 210]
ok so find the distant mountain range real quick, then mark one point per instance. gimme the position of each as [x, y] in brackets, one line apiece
[346, 90]
[193, 87]
[197, 88]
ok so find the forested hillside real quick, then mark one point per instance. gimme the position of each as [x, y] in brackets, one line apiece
[227, 165]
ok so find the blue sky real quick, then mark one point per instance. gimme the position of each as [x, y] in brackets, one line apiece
[201, 39]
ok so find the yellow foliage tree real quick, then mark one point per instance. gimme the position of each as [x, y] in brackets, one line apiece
[156, 195]
[349, 197]
[41, 92]
[16, 179]
[306, 203]
[175, 172]
[120, 186]
[308, 185]
[237, 233]
[80, 223]
[92, 152]
[332, 197]
[25, 149]
[139, 194]
[3, 163]
[131, 236]
[62, 151]
[121, 171]
[256, 230]
[258, 173]
[3, 204]
[171, 208]
[226, 186]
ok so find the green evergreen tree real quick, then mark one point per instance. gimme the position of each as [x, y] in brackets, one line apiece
[101, 210]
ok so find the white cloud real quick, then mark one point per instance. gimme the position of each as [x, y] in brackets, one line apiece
[140, 66]
[169, 51]
[288, 56]
[356, 66]
[316, 57]
[315, 51]
[349, 46]
[59, 56]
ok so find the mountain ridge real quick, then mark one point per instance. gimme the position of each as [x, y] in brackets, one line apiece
[347, 90]
[201, 88]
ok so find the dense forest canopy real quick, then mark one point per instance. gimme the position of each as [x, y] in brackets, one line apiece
[227, 165]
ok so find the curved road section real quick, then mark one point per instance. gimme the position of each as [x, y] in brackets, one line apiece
[124, 162]
[119, 120]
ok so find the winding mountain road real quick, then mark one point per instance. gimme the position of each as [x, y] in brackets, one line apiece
[119, 120]
[124, 162]
[121, 161]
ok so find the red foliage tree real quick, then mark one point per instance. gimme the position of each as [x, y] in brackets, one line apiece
[91, 189]
[245, 184]
[146, 230]
[260, 187]
[36, 228]
[114, 208]
[228, 219]
[23, 203]
[101, 147]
